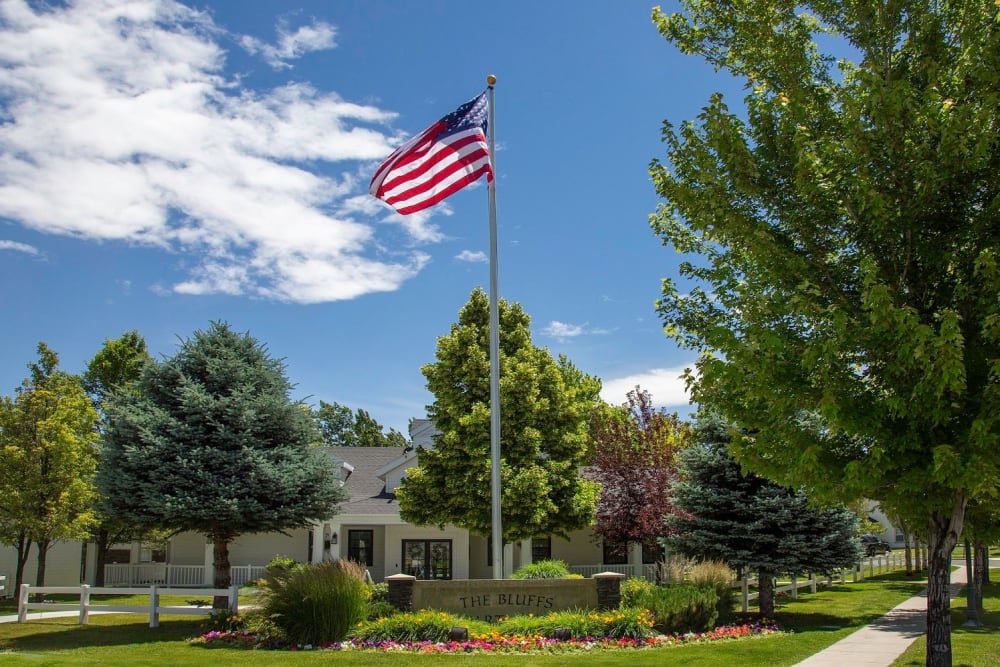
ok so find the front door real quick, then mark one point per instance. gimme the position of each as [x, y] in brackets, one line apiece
[427, 559]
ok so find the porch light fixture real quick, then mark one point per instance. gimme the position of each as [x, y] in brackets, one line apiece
[333, 538]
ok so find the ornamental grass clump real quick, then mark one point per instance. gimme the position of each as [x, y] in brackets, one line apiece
[317, 604]
[717, 575]
[543, 569]
[419, 626]
[681, 608]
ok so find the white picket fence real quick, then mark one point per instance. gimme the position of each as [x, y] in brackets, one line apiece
[154, 609]
[873, 564]
[3, 586]
[165, 574]
[648, 571]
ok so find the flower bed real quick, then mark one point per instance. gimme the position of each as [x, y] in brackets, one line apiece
[494, 642]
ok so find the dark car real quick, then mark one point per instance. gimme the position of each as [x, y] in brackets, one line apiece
[873, 545]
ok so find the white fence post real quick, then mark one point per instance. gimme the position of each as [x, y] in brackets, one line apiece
[22, 603]
[234, 599]
[154, 604]
[745, 591]
[84, 604]
[795, 587]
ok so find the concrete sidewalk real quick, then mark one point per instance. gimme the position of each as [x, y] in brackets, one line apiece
[879, 644]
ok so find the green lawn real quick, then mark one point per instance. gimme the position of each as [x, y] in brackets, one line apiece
[817, 620]
[972, 647]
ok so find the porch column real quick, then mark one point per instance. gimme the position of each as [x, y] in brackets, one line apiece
[334, 550]
[508, 560]
[317, 544]
[635, 559]
[208, 579]
[526, 557]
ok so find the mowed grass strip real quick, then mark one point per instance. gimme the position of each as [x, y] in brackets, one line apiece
[816, 621]
[970, 647]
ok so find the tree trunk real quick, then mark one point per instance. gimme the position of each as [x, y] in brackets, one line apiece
[221, 538]
[907, 541]
[918, 549]
[23, 549]
[43, 554]
[983, 550]
[100, 555]
[765, 594]
[942, 536]
[980, 566]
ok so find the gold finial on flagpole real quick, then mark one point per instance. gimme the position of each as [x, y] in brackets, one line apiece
[490, 79]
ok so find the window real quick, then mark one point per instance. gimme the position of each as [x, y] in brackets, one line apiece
[427, 559]
[615, 553]
[541, 548]
[360, 545]
[651, 552]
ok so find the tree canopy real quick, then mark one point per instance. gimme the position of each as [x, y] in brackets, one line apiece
[47, 462]
[210, 441]
[634, 449]
[544, 407]
[116, 367]
[340, 427]
[844, 229]
[756, 526]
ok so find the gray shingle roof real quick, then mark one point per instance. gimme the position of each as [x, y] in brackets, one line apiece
[366, 492]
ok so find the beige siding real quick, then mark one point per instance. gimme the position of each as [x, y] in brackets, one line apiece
[581, 549]
[62, 566]
[260, 549]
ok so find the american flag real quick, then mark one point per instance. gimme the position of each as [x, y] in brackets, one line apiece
[438, 162]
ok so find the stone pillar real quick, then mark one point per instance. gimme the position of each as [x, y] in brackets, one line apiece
[609, 594]
[401, 591]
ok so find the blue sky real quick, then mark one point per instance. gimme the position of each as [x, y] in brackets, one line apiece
[163, 165]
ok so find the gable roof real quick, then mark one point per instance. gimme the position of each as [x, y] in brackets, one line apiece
[365, 489]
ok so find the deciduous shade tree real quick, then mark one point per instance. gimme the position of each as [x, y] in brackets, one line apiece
[340, 427]
[47, 462]
[848, 229]
[752, 524]
[544, 407]
[210, 442]
[115, 368]
[634, 448]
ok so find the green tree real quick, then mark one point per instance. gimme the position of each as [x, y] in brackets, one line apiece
[752, 524]
[340, 427]
[47, 462]
[544, 407]
[210, 442]
[116, 367]
[848, 235]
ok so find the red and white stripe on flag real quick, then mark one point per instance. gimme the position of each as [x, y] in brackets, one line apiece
[438, 162]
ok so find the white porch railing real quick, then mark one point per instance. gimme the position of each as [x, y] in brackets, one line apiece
[3, 586]
[165, 574]
[648, 571]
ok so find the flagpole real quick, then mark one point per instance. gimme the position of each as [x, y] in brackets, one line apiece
[494, 352]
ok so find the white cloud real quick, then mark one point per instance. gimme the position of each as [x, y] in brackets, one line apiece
[472, 256]
[316, 37]
[19, 247]
[665, 386]
[562, 331]
[120, 124]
